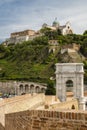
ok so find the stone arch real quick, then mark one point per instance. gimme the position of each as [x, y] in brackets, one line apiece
[69, 73]
[32, 88]
[37, 89]
[26, 88]
[21, 88]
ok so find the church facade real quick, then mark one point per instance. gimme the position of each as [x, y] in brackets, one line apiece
[64, 29]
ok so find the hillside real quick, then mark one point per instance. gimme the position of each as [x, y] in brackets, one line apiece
[32, 60]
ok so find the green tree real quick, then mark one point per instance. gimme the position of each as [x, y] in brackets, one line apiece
[50, 88]
[85, 32]
[84, 47]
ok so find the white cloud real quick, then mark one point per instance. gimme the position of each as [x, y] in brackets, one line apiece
[32, 15]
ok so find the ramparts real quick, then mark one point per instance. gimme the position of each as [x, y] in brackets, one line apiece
[47, 120]
[20, 103]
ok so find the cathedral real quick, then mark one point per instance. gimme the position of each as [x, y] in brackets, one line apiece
[25, 35]
[65, 29]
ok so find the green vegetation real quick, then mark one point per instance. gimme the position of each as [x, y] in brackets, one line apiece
[32, 61]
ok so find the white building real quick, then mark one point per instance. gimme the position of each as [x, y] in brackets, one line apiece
[65, 29]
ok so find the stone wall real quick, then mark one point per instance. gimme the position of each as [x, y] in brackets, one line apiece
[14, 87]
[7, 87]
[68, 105]
[23, 33]
[46, 120]
[20, 103]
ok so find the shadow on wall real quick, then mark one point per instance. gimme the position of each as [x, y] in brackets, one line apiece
[1, 127]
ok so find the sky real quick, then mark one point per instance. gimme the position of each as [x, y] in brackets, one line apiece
[18, 15]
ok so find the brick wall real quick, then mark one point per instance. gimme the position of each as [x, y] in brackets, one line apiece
[20, 103]
[46, 120]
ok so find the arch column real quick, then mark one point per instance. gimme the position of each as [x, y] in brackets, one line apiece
[63, 91]
[59, 85]
[82, 86]
[82, 104]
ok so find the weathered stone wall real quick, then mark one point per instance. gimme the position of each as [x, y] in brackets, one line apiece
[46, 120]
[65, 105]
[7, 87]
[20, 103]
[13, 87]
[23, 33]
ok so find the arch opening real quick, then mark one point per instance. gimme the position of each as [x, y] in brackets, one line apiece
[21, 88]
[31, 88]
[43, 90]
[73, 107]
[37, 89]
[26, 88]
[69, 88]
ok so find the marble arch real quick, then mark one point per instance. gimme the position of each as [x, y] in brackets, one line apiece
[73, 72]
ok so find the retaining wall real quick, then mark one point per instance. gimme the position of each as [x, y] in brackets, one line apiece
[20, 103]
[46, 120]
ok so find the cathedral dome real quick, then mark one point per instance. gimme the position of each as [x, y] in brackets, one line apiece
[55, 23]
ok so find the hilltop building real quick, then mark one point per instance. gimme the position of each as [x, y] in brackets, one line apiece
[25, 35]
[65, 29]
[18, 37]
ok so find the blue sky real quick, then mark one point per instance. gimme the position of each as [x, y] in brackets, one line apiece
[17, 15]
